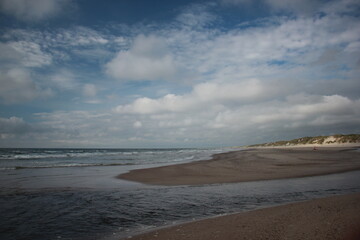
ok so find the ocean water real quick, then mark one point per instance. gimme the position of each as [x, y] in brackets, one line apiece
[11, 159]
[74, 193]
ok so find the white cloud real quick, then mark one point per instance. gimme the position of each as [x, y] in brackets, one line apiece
[208, 125]
[283, 116]
[325, 107]
[237, 91]
[281, 75]
[145, 105]
[196, 16]
[65, 38]
[147, 59]
[17, 81]
[353, 47]
[279, 48]
[341, 7]
[297, 6]
[203, 95]
[89, 90]
[93, 54]
[84, 128]
[232, 2]
[9, 55]
[42, 56]
[306, 7]
[13, 125]
[80, 36]
[34, 10]
[334, 104]
[17, 86]
[24, 53]
[137, 124]
[64, 80]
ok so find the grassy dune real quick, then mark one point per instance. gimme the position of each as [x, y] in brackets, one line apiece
[320, 140]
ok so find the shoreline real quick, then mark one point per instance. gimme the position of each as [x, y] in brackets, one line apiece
[329, 145]
[334, 217]
[252, 164]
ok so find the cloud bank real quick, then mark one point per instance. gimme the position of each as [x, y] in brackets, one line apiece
[189, 82]
[34, 10]
[147, 59]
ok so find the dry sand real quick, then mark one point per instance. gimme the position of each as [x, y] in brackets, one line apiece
[328, 218]
[252, 165]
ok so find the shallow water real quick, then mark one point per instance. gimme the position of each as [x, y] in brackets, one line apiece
[90, 203]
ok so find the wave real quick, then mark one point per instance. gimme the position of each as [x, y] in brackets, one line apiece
[54, 155]
[6, 154]
[56, 164]
[68, 165]
[15, 159]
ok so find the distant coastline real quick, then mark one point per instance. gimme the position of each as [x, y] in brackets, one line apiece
[325, 141]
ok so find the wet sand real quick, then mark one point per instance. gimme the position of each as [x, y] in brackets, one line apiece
[327, 218]
[252, 165]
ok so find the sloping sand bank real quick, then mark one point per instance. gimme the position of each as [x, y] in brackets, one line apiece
[252, 165]
[328, 218]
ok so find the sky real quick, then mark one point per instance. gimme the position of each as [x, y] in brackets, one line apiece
[166, 74]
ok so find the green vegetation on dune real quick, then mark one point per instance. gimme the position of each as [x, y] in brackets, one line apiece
[321, 140]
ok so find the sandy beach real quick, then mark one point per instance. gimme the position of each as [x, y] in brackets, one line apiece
[327, 218]
[335, 217]
[252, 165]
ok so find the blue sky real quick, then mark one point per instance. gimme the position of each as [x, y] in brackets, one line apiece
[76, 73]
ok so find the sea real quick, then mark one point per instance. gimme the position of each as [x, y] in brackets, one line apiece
[75, 193]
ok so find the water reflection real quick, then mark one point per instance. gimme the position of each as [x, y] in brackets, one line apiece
[95, 205]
